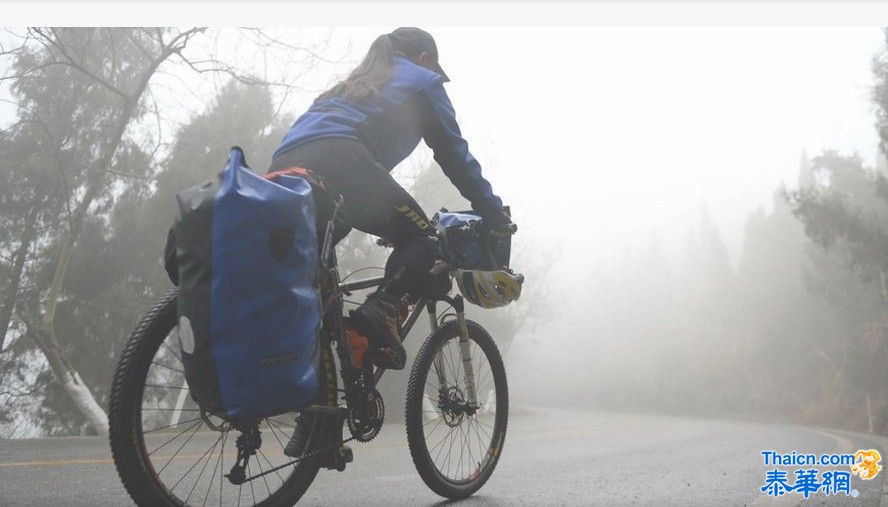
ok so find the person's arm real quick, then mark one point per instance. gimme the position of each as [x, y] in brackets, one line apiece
[451, 151]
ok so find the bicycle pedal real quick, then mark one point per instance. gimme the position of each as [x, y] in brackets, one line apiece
[337, 459]
[345, 454]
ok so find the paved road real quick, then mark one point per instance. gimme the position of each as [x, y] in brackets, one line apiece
[550, 458]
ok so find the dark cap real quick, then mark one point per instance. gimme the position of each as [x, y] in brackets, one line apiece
[412, 42]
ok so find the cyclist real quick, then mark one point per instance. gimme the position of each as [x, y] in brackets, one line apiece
[354, 134]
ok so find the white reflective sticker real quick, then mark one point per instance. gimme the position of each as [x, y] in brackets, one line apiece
[186, 335]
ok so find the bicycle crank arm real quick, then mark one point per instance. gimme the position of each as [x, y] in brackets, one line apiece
[340, 412]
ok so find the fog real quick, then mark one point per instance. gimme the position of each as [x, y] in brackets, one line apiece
[634, 160]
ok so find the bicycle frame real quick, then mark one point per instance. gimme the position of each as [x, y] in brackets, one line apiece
[429, 305]
[333, 307]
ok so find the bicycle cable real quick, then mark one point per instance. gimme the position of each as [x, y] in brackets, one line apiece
[360, 270]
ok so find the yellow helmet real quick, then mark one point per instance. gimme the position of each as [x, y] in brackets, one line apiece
[489, 289]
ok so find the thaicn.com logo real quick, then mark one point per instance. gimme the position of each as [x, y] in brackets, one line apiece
[827, 474]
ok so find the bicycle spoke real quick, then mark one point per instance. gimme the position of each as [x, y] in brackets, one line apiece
[171, 425]
[484, 431]
[168, 367]
[252, 491]
[179, 449]
[167, 387]
[468, 444]
[186, 430]
[274, 432]
[270, 466]
[443, 438]
[173, 353]
[466, 449]
[163, 409]
[264, 478]
[435, 428]
[461, 449]
[439, 418]
[456, 438]
[450, 450]
[436, 388]
[217, 465]
[222, 467]
[445, 461]
[209, 456]
[438, 373]
[440, 443]
[481, 445]
[213, 475]
[286, 425]
[190, 469]
[484, 425]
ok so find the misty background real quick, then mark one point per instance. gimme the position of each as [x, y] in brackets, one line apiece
[702, 211]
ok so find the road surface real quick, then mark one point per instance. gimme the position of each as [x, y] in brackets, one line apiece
[550, 457]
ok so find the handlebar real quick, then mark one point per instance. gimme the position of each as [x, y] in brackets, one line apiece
[504, 229]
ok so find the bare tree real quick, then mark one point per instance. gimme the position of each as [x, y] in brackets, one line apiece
[122, 63]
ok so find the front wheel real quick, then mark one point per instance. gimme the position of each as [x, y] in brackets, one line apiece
[456, 444]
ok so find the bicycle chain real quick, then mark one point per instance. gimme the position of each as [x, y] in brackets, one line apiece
[298, 460]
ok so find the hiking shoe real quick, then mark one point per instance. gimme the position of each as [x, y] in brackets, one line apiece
[357, 344]
[378, 319]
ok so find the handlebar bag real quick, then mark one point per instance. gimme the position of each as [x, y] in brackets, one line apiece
[246, 255]
[465, 244]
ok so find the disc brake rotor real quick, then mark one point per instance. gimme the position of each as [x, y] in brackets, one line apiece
[453, 407]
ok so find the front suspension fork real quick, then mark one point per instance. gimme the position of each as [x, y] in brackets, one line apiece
[465, 350]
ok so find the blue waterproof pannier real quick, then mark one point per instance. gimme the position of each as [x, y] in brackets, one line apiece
[466, 245]
[243, 251]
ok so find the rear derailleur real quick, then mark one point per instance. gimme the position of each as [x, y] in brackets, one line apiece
[248, 442]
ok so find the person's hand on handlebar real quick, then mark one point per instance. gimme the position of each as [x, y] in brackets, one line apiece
[499, 222]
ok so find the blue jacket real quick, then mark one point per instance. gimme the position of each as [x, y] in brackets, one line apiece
[411, 106]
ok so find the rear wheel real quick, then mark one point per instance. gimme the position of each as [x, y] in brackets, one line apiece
[456, 445]
[168, 452]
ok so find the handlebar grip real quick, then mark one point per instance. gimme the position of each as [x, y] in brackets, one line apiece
[503, 230]
[509, 228]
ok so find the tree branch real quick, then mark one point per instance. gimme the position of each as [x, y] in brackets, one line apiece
[262, 38]
[52, 45]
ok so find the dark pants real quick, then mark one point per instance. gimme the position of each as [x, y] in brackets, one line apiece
[375, 204]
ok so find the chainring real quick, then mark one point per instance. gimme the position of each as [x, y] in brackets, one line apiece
[365, 429]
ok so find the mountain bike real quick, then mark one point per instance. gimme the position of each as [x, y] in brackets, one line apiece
[168, 451]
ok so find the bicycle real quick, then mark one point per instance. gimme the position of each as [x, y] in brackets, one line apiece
[163, 442]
